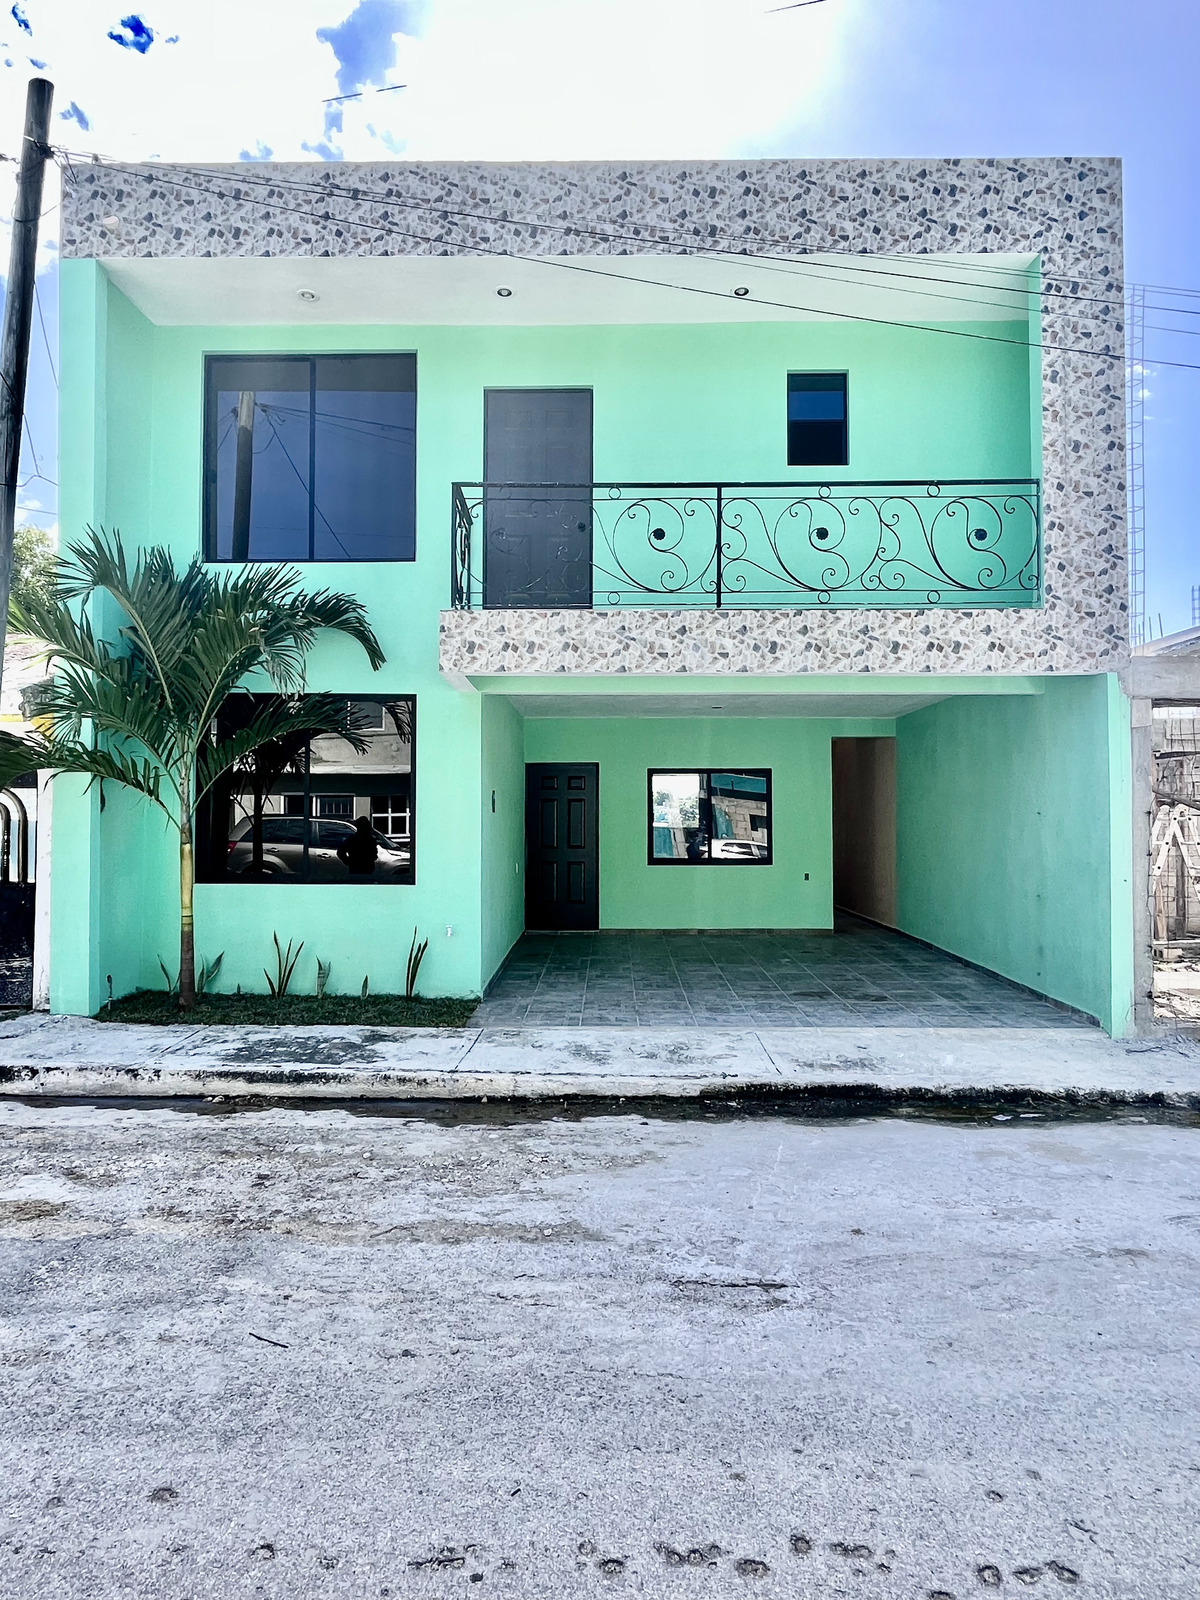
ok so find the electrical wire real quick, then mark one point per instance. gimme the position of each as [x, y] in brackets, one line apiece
[37, 300]
[328, 186]
[573, 265]
[324, 188]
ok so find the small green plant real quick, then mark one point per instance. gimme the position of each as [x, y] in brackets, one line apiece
[285, 965]
[208, 971]
[416, 954]
[366, 986]
[322, 976]
[204, 977]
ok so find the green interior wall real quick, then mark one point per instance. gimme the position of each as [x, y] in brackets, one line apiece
[795, 891]
[502, 807]
[671, 403]
[1013, 831]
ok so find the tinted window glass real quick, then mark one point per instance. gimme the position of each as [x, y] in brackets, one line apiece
[817, 431]
[710, 818]
[311, 458]
[251, 826]
[281, 830]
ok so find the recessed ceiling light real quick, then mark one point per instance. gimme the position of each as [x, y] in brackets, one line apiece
[505, 294]
[741, 292]
[307, 294]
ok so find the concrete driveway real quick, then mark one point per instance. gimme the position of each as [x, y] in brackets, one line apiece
[312, 1353]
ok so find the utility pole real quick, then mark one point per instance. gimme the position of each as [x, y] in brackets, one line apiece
[18, 311]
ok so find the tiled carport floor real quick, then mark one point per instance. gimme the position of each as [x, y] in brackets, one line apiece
[858, 973]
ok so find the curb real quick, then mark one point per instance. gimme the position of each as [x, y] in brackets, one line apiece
[287, 1083]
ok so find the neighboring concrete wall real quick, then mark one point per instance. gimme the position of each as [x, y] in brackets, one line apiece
[502, 807]
[864, 827]
[1013, 829]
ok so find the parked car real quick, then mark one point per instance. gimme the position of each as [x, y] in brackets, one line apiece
[283, 850]
[738, 850]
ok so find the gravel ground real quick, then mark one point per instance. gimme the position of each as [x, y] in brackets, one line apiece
[312, 1353]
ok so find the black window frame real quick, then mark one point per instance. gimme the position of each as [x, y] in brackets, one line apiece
[208, 509]
[203, 829]
[705, 775]
[840, 383]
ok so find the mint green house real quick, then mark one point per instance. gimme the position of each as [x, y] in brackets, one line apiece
[746, 541]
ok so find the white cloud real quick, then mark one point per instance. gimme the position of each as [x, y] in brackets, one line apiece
[549, 79]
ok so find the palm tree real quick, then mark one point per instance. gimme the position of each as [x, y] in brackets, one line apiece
[141, 709]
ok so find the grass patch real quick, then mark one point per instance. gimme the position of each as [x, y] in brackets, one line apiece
[294, 1010]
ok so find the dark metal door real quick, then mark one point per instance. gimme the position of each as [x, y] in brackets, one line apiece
[537, 542]
[17, 894]
[562, 887]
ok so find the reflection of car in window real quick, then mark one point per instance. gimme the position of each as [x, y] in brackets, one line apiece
[283, 850]
[738, 850]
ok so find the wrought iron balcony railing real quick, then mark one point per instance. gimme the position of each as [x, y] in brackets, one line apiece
[601, 546]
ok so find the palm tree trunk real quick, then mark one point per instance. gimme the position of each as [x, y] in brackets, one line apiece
[187, 879]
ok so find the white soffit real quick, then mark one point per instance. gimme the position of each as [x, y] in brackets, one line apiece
[565, 290]
[690, 707]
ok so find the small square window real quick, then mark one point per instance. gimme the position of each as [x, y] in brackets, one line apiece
[817, 427]
[710, 818]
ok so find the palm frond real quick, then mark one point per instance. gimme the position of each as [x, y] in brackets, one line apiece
[19, 757]
[276, 721]
[117, 766]
[117, 707]
[67, 637]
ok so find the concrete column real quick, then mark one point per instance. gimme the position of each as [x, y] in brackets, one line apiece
[1142, 762]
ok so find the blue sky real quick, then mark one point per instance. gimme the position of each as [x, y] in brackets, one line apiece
[562, 79]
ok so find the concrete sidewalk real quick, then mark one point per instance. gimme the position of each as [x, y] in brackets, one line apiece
[43, 1055]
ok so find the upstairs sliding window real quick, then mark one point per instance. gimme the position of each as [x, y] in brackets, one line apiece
[310, 458]
[817, 430]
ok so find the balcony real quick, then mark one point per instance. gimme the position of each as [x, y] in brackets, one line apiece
[705, 546]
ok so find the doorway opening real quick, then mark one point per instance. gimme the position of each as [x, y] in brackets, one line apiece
[864, 828]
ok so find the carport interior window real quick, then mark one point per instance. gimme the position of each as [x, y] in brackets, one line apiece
[817, 424]
[314, 809]
[310, 458]
[710, 818]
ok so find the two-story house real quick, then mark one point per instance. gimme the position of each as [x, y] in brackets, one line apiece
[745, 538]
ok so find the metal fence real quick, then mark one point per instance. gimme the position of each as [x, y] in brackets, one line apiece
[600, 546]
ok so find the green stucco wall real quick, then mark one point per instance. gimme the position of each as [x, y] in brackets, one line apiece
[795, 891]
[671, 403]
[502, 807]
[1013, 839]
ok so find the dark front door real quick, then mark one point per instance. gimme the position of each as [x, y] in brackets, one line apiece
[562, 860]
[537, 542]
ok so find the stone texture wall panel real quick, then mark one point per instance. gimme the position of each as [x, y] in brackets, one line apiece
[1068, 210]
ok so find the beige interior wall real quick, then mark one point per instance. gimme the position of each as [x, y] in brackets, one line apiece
[864, 827]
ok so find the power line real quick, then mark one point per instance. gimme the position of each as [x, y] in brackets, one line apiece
[337, 99]
[356, 193]
[37, 300]
[571, 265]
[327, 186]
[1135, 437]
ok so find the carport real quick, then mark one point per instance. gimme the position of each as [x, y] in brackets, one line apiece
[855, 974]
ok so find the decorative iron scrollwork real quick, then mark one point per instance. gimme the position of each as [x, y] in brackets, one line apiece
[749, 545]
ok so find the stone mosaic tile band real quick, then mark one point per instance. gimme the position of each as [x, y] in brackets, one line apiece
[1066, 210]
